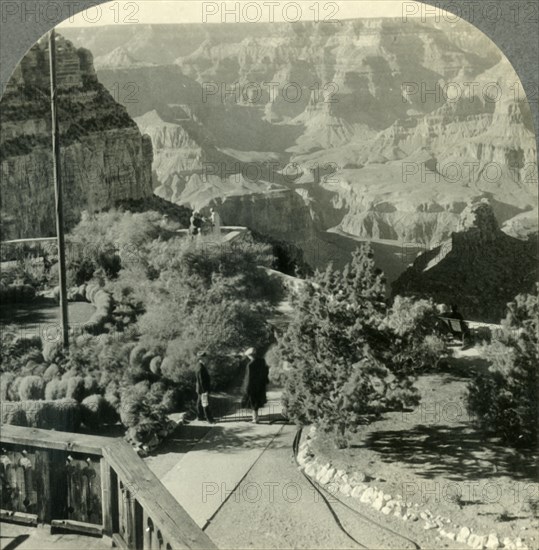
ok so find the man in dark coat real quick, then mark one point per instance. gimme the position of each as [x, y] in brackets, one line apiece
[203, 384]
[255, 382]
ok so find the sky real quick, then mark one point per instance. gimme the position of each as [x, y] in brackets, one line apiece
[202, 11]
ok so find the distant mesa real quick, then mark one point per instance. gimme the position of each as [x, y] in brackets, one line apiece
[119, 58]
[479, 268]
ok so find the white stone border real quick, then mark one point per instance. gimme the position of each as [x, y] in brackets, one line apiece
[354, 486]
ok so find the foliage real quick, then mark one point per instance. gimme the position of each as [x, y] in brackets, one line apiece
[106, 242]
[173, 297]
[349, 355]
[143, 406]
[28, 271]
[31, 388]
[6, 379]
[414, 345]
[504, 401]
[63, 414]
[207, 298]
[97, 411]
[16, 293]
[55, 389]
[51, 372]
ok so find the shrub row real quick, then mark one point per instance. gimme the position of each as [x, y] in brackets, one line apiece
[62, 414]
[16, 293]
[59, 414]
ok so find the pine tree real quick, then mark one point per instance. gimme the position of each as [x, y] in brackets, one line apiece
[505, 399]
[336, 345]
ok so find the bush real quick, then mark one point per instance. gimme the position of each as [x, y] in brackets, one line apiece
[75, 388]
[6, 379]
[63, 415]
[504, 401]
[97, 411]
[133, 404]
[31, 388]
[13, 389]
[13, 415]
[144, 409]
[51, 372]
[20, 346]
[16, 293]
[413, 342]
[181, 375]
[112, 394]
[342, 347]
[155, 365]
[136, 357]
[55, 389]
[91, 385]
[51, 350]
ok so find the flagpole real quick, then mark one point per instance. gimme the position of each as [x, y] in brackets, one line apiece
[58, 191]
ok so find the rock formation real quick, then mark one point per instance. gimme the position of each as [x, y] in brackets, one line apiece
[105, 159]
[479, 267]
[386, 109]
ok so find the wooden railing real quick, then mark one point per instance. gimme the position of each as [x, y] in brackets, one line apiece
[90, 484]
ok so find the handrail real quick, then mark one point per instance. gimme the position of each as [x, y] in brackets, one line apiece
[179, 529]
[131, 497]
[50, 439]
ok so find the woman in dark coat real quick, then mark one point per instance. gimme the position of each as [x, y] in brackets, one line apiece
[254, 384]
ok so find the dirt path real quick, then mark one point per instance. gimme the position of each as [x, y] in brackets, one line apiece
[276, 507]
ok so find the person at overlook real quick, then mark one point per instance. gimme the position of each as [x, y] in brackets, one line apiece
[215, 220]
[195, 223]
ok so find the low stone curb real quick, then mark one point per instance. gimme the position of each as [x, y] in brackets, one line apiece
[355, 486]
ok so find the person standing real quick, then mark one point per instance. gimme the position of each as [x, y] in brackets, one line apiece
[254, 384]
[193, 224]
[203, 383]
[215, 221]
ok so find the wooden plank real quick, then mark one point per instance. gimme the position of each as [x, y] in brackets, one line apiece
[18, 517]
[50, 439]
[119, 542]
[32, 240]
[129, 519]
[57, 495]
[138, 517]
[42, 485]
[84, 489]
[168, 516]
[106, 497]
[147, 526]
[77, 527]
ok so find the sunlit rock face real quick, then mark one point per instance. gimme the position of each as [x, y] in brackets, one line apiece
[105, 158]
[479, 268]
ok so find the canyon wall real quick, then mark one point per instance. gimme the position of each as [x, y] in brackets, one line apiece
[403, 123]
[479, 268]
[104, 157]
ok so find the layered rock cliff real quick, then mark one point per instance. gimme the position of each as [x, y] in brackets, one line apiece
[104, 157]
[479, 267]
[390, 128]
